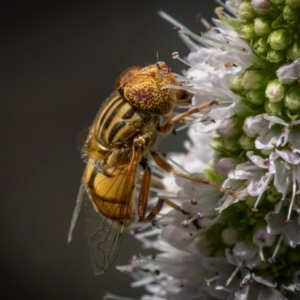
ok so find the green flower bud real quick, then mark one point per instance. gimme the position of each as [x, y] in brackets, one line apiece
[293, 52]
[261, 46]
[257, 97]
[229, 236]
[231, 145]
[291, 15]
[216, 144]
[246, 11]
[273, 109]
[275, 91]
[246, 142]
[261, 7]
[247, 31]
[292, 98]
[275, 56]
[262, 26]
[235, 82]
[278, 39]
[253, 80]
[293, 3]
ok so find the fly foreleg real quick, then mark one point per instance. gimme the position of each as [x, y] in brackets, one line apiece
[180, 117]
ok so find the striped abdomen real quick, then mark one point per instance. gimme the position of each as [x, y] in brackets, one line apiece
[112, 195]
[118, 121]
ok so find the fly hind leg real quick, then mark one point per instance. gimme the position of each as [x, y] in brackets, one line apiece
[143, 198]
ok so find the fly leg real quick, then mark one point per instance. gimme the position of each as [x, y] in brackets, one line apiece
[143, 198]
[162, 163]
[172, 118]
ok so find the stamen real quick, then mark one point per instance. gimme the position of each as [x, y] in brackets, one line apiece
[234, 273]
[200, 216]
[144, 281]
[156, 171]
[261, 253]
[227, 7]
[180, 77]
[155, 190]
[170, 19]
[254, 208]
[147, 233]
[196, 37]
[187, 40]
[288, 220]
[139, 227]
[215, 43]
[177, 165]
[109, 296]
[222, 288]
[175, 55]
[205, 24]
[186, 223]
[297, 289]
[246, 281]
[162, 259]
[208, 281]
[184, 126]
[129, 268]
[198, 18]
[194, 201]
[272, 259]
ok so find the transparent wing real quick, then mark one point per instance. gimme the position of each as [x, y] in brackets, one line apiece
[79, 202]
[104, 238]
[109, 209]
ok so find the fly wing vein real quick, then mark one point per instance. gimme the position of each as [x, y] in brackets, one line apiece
[104, 238]
[105, 231]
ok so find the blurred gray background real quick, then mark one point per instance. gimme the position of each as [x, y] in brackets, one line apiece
[58, 62]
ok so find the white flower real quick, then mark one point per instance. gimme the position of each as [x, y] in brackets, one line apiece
[271, 132]
[225, 55]
[289, 73]
[278, 224]
[258, 288]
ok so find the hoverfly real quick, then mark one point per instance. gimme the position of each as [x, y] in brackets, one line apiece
[122, 137]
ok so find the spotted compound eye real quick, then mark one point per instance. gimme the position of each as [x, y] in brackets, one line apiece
[145, 90]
